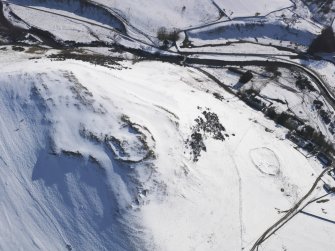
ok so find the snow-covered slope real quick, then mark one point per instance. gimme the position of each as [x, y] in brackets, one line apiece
[242, 8]
[114, 139]
[150, 15]
[94, 158]
[153, 14]
[116, 21]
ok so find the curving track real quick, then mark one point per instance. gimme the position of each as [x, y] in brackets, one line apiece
[290, 213]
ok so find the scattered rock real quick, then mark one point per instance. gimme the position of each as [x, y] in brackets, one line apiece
[207, 125]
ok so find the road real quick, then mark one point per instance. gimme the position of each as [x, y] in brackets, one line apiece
[290, 213]
[264, 60]
[176, 57]
[269, 61]
[122, 34]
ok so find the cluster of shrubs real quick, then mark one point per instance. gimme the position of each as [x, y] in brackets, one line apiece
[246, 77]
[285, 119]
[325, 116]
[309, 133]
[164, 34]
[17, 48]
[332, 127]
[304, 84]
[273, 69]
[317, 104]
[306, 132]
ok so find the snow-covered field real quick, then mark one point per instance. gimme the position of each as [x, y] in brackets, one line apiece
[289, 32]
[242, 8]
[268, 23]
[96, 158]
[150, 15]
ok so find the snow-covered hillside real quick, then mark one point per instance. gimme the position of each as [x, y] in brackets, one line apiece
[104, 159]
[166, 125]
[278, 22]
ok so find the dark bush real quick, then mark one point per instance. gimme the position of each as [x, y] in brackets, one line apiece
[317, 104]
[186, 43]
[283, 119]
[168, 35]
[273, 69]
[17, 48]
[325, 116]
[246, 77]
[304, 84]
[271, 113]
[218, 96]
[307, 132]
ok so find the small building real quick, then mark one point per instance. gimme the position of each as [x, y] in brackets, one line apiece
[324, 159]
[296, 140]
[331, 173]
[250, 98]
[309, 146]
[327, 188]
[255, 103]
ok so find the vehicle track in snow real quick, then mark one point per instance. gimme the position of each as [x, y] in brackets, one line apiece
[240, 199]
[231, 153]
[289, 215]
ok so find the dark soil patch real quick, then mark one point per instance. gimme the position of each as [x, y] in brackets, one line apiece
[94, 59]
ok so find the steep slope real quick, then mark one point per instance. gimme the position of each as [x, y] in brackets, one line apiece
[96, 158]
[150, 15]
